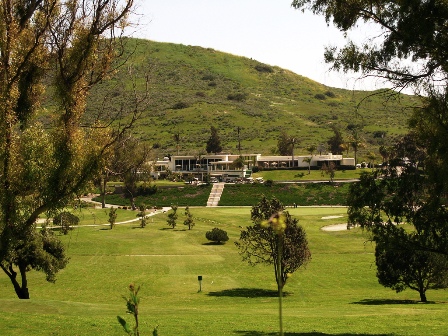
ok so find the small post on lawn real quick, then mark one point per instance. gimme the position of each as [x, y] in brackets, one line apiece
[200, 283]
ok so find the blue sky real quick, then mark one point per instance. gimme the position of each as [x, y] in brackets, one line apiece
[270, 31]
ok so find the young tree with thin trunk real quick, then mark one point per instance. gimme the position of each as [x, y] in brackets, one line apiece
[259, 245]
[189, 221]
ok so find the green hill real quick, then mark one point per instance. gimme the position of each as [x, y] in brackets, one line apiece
[192, 88]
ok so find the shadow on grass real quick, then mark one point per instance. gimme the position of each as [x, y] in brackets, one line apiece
[259, 333]
[379, 302]
[248, 293]
[213, 243]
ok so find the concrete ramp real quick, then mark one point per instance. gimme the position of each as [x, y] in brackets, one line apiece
[215, 194]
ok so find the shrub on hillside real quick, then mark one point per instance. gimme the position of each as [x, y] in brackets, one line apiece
[330, 94]
[320, 96]
[180, 105]
[217, 235]
[238, 96]
[264, 68]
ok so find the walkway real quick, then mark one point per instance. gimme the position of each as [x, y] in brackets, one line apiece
[215, 194]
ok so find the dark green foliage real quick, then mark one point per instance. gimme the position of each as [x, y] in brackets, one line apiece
[259, 245]
[264, 68]
[214, 142]
[400, 264]
[112, 217]
[411, 29]
[416, 258]
[180, 105]
[41, 251]
[172, 216]
[320, 96]
[336, 142]
[142, 215]
[189, 221]
[330, 94]
[66, 220]
[268, 183]
[146, 189]
[132, 307]
[238, 96]
[286, 143]
[217, 235]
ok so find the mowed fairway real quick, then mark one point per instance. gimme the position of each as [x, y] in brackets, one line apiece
[336, 294]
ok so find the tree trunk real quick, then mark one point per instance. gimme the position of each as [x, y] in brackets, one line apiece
[423, 296]
[103, 192]
[21, 291]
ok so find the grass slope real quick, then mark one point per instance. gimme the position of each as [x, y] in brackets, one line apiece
[336, 294]
[192, 88]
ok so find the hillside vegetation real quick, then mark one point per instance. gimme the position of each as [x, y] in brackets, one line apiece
[191, 88]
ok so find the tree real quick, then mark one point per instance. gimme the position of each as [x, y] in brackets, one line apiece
[172, 216]
[308, 160]
[413, 258]
[177, 139]
[356, 141]
[213, 143]
[239, 163]
[70, 46]
[336, 142]
[321, 148]
[217, 235]
[410, 31]
[400, 265]
[127, 160]
[66, 220]
[310, 149]
[142, 215]
[258, 244]
[385, 153]
[112, 217]
[189, 221]
[329, 169]
[371, 156]
[134, 157]
[285, 144]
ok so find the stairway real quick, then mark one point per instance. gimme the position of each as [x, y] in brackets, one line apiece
[215, 194]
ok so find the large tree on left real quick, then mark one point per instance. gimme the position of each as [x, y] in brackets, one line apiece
[51, 51]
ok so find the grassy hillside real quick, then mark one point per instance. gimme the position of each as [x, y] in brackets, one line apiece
[336, 294]
[192, 88]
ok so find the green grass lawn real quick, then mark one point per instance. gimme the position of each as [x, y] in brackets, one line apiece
[302, 175]
[336, 294]
[288, 194]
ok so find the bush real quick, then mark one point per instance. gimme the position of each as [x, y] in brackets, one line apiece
[268, 183]
[330, 94]
[217, 235]
[320, 96]
[255, 169]
[264, 68]
[66, 221]
[180, 105]
[237, 96]
[146, 189]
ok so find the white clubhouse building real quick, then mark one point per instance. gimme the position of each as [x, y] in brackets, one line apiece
[221, 165]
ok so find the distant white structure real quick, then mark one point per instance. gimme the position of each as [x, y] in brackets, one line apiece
[222, 168]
